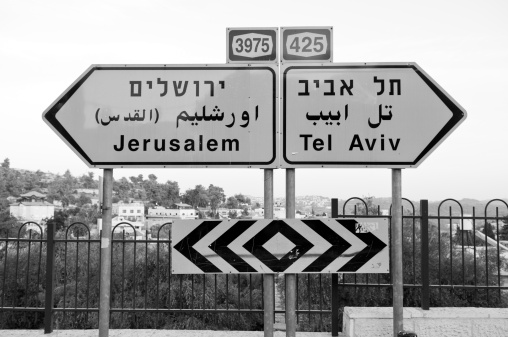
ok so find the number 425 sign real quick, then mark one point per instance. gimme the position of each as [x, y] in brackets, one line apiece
[306, 44]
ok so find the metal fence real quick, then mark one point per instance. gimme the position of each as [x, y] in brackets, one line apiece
[52, 280]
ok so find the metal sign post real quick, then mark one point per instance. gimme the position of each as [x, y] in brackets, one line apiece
[396, 234]
[105, 272]
[268, 279]
[290, 278]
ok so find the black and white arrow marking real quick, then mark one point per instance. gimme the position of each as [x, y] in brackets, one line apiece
[280, 246]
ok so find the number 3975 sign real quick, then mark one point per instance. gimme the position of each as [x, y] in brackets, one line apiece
[252, 45]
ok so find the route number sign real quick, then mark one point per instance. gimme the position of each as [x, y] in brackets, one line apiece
[252, 45]
[306, 44]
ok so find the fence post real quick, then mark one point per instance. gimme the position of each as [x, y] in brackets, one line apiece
[424, 212]
[50, 277]
[335, 282]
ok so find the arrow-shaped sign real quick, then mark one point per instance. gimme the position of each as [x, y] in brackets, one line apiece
[278, 246]
[170, 116]
[374, 246]
[363, 115]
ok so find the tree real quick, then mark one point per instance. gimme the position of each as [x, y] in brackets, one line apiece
[242, 199]
[137, 180]
[6, 164]
[7, 222]
[196, 197]
[61, 218]
[216, 195]
[232, 214]
[368, 208]
[488, 231]
[232, 202]
[503, 231]
[87, 180]
[245, 212]
[123, 188]
[62, 188]
[83, 200]
[88, 214]
[170, 193]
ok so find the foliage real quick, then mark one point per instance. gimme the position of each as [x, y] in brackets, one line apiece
[7, 223]
[196, 197]
[232, 214]
[503, 231]
[216, 195]
[242, 199]
[141, 278]
[232, 203]
[451, 266]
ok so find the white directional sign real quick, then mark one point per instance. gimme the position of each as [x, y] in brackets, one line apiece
[252, 45]
[170, 116]
[280, 246]
[363, 115]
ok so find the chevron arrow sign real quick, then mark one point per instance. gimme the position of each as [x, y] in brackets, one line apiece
[346, 245]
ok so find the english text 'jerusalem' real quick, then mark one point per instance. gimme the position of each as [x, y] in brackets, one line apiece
[188, 145]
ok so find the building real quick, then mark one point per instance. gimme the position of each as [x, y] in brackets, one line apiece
[89, 191]
[133, 212]
[159, 215]
[32, 206]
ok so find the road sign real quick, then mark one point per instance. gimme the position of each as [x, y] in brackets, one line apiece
[280, 246]
[363, 115]
[252, 45]
[306, 44]
[170, 116]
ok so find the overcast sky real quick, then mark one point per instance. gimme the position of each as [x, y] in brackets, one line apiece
[462, 45]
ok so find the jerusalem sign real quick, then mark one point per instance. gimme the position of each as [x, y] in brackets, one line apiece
[170, 116]
[346, 245]
[389, 115]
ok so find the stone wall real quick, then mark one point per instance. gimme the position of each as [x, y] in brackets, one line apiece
[450, 322]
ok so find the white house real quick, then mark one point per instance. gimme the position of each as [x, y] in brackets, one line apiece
[133, 212]
[32, 206]
[159, 215]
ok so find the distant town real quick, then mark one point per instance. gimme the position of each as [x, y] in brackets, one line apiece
[142, 204]
[139, 204]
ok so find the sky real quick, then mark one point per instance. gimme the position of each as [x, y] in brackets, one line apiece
[46, 45]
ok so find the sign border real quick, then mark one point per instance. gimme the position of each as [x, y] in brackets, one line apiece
[49, 116]
[458, 116]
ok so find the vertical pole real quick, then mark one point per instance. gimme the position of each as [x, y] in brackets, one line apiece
[101, 192]
[268, 279]
[290, 278]
[105, 276]
[396, 233]
[335, 282]
[50, 277]
[424, 212]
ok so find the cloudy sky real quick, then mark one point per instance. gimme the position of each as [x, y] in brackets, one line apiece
[46, 45]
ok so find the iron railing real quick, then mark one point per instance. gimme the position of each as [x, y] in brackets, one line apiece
[52, 280]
